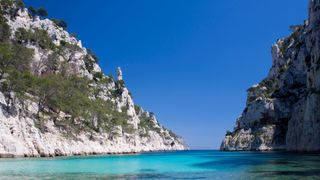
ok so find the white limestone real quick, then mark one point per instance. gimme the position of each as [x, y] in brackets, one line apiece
[19, 135]
[283, 111]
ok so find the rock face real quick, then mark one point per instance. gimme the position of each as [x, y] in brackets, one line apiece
[20, 134]
[283, 111]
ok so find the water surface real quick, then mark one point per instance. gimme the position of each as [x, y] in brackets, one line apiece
[170, 165]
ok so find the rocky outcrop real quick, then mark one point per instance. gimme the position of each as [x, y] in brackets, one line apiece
[283, 111]
[21, 137]
[61, 134]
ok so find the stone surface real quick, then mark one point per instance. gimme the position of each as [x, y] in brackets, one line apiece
[283, 111]
[20, 137]
[19, 132]
[119, 74]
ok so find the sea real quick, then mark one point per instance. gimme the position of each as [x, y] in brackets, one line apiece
[190, 165]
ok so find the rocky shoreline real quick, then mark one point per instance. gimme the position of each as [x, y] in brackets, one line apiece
[10, 156]
[56, 101]
[283, 111]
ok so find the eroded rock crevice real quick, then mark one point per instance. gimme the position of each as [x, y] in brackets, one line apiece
[283, 111]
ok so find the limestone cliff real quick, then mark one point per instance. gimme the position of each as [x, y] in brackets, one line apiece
[37, 119]
[283, 111]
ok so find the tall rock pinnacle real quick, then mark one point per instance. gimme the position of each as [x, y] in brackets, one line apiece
[119, 74]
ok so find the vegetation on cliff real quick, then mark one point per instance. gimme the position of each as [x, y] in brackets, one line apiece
[56, 90]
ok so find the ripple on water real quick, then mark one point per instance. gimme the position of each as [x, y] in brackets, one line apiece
[190, 165]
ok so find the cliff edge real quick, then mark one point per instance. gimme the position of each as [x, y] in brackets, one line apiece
[283, 111]
[56, 101]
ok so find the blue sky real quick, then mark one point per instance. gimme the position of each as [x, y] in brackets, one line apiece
[188, 61]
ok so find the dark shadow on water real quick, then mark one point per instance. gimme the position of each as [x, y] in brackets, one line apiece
[147, 170]
[280, 162]
[240, 162]
[238, 159]
[160, 176]
[226, 163]
[80, 176]
[266, 165]
[304, 173]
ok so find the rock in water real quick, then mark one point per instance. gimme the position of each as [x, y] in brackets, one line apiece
[55, 101]
[283, 111]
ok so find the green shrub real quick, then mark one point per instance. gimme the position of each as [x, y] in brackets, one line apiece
[38, 37]
[32, 11]
[5, 32]
[147, 123]
[42, 38]
[172, 134]
[56, 91]
[137, 109]
[10, 7]
[23, 36]
[22, 57]
[111, 76]
[60, 23]
[6, 55]
[105, 80]
[229, 133]
[42, 12]
[5, 4]
[98, 75]
[70, 94]
[20, 4]
[120, 84]
[116, 93]
[63, 43]
[14, 56]
[52, 62]
[89, 63]
[266, 88]
[19, 82]
[67, 46]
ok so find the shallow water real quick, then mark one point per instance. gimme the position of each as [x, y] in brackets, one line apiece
[171, 165]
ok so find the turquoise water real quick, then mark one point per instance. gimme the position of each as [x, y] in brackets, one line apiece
[171, 165]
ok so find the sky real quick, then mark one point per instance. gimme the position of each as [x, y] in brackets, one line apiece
[188, 61]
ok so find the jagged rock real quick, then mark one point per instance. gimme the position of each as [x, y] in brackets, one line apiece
[283, 111]
[119, 74]
[19, 131]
